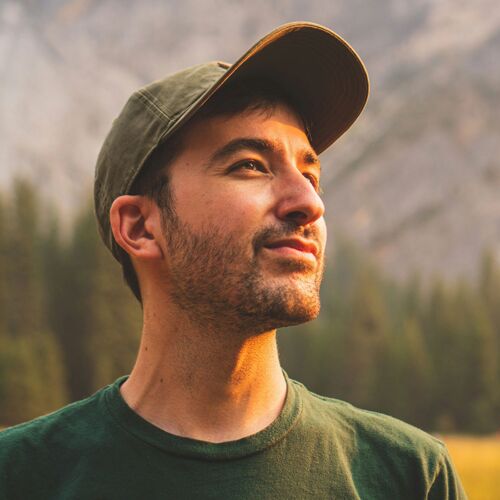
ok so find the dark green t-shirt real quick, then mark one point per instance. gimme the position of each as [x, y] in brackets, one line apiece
[320, 448]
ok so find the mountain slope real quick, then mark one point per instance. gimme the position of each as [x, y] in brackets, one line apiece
[414, 181]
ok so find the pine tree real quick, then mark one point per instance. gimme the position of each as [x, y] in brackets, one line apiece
[25, 311]
[366, 343]
[3, 272]
[415, 377]
[489, 292]
[479, 363]
[31, 372]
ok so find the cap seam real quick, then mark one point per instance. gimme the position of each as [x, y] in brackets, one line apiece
[150, 101]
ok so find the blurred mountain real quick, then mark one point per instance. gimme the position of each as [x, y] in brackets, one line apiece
[415, 181]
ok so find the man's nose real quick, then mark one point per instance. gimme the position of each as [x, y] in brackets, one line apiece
[299, 202]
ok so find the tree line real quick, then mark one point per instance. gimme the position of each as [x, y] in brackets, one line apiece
[68, 325]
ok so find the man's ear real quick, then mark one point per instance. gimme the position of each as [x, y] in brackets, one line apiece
[135, 223]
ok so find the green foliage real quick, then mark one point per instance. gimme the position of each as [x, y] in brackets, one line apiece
[21, 239]
[32, 377]
[68, 325]
[32, 374]
[3, 271]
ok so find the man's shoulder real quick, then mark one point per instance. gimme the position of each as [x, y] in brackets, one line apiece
[369, 429]
[71, 425]
[49, 450]
[377, 449]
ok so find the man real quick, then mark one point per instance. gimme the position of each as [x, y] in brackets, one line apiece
[207, 192]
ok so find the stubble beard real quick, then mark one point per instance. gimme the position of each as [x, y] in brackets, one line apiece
[215, 281]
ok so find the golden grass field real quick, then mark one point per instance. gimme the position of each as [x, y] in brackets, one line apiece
[477, 460]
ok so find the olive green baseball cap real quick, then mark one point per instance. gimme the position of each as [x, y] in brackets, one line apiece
[313, 65]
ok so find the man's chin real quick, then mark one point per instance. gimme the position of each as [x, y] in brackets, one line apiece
[299, 294]
[285, 318]
[288, 306]
[301, 313]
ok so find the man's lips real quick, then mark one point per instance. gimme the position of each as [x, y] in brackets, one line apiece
[300, 244]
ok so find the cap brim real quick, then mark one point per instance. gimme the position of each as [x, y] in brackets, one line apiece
[315, 67]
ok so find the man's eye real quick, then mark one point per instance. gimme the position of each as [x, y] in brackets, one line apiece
[313, 180]
[253, 165]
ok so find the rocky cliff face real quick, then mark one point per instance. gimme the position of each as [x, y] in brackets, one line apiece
[416, 179]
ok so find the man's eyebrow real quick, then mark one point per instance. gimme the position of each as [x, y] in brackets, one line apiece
[256, 144]
[232, 147]
[311, 158]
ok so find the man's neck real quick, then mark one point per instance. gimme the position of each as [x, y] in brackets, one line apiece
[203, 383]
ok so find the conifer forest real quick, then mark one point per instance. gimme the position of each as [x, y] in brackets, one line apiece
[426, 353]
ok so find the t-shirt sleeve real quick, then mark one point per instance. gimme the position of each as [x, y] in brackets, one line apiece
[446, 484]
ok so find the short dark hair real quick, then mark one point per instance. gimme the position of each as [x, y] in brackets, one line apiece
[153, 180]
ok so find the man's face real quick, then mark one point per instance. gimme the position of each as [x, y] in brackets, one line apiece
[245, 244]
